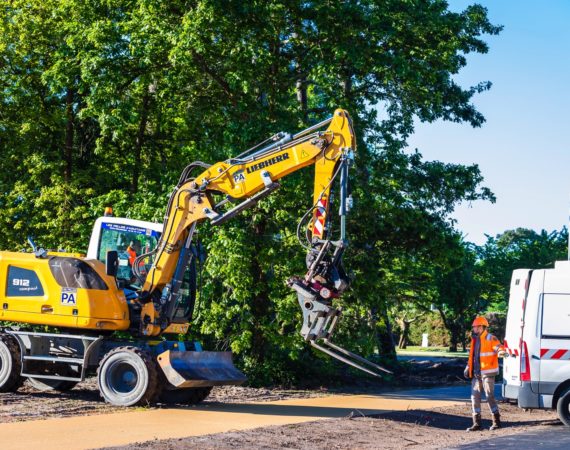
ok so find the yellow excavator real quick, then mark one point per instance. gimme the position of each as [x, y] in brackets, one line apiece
[117, 326]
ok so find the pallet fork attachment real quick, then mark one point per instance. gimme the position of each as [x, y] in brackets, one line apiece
[319, 322]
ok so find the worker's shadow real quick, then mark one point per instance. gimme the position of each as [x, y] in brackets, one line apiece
[418, 417]
[452, 421]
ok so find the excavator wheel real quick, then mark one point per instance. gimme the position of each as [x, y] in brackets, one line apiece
[128, 376]
[45, 385]
[189, 396]
[10, 364]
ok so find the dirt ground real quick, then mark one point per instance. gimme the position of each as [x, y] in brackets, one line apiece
[30, 404]
[429, 429]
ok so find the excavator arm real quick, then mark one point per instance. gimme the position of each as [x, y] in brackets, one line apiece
[221, 191]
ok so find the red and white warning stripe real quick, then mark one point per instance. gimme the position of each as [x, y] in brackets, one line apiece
[554, 353]
[319, 225]
[511, 351]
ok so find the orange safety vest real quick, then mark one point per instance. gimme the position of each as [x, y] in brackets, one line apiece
[132, 255]
[488, 354]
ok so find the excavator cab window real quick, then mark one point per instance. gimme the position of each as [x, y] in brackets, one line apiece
[75, 273]
[130, 242]
[184, 308]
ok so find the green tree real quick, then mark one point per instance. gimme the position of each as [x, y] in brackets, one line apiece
[458, 296]
[515, 249]
[107, 101]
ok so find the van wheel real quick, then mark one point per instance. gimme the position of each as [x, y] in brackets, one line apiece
[563, 407]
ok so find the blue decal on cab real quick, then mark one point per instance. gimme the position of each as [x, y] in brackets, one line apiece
[23, 283]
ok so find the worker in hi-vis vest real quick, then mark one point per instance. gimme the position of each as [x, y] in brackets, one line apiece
[482, 367]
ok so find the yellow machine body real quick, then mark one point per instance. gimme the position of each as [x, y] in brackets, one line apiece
[77, 294]
[60, 291]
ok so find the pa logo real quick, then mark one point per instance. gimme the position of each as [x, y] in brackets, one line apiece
[239, 176]
[69, 297]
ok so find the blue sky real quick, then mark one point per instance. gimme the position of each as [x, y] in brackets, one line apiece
[523, 150]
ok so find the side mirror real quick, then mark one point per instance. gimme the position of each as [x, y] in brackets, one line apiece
[112, 263]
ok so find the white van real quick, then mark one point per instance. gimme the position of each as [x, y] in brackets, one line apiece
[537, 372]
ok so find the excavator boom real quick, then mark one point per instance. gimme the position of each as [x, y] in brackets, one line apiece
[221, 191]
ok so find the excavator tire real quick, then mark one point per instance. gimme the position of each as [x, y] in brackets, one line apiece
[45, 385]
[128, 376]
[10, 364]
[189, 396]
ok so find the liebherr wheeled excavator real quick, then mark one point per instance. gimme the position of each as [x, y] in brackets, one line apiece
[88, 301]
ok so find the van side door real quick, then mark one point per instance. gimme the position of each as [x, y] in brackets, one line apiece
[555, 331]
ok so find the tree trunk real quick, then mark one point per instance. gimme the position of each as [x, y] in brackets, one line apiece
[404, 337]
[275, 49]
[301, 89]
[347, 87]
[463, 339]
[384, 336]
[260, 302]
[455, 332]
[139, 141]
[69, 131]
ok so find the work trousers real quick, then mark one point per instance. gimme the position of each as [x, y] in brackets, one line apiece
[486, 384]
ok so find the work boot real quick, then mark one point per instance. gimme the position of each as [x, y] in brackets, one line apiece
[496, 421]
[476, 423]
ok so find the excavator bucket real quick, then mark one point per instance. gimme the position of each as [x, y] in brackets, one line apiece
[199, 369]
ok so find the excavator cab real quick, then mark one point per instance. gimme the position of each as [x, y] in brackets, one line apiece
[130, 239]
[185, 365]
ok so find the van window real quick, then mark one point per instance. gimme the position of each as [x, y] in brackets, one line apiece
[556, 316]
[23, 283]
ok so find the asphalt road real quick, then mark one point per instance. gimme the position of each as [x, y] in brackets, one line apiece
[556, 438]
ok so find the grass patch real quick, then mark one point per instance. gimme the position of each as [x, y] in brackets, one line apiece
[432, 351]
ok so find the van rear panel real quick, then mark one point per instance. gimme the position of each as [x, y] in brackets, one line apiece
[513, 332]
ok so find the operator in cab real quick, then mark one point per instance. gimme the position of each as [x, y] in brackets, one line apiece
[134, 250]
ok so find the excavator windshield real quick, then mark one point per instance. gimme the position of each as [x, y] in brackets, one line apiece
[129, 241]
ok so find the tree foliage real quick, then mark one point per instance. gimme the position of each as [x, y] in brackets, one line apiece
[516, 249]
[106, 101]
